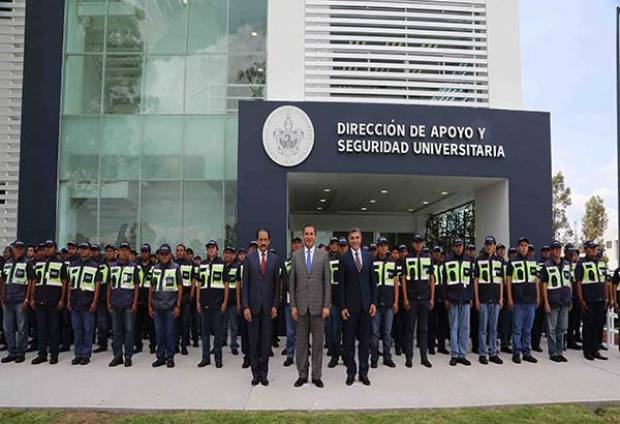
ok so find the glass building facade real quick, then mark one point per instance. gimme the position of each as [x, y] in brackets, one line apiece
[148, 133]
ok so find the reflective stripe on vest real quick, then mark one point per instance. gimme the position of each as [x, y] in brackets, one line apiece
[232, 278]
[216, 276]
[558, 278]
[490, 271]
[333, 271]
[417, 268]
[52, 274]
[457, 272]
[83, 277]
[186, 274]
[594, 272]
[524, 271]
[121, 277]
[16, 273]
[164, 281]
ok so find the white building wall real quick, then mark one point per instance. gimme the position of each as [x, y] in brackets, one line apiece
[12, 23]
[492, 213]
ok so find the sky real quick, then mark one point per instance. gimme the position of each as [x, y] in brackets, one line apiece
[568, 54]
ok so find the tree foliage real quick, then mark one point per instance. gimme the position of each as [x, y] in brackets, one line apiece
[594, 221]
[561, 201]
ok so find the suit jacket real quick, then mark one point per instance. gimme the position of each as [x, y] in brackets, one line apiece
[310, 291]
[357, 290]
[260, 292]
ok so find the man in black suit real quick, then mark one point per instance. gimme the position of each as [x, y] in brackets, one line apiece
[358, 300]
[259, 298]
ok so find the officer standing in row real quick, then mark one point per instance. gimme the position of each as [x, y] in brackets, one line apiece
[85, 283]
[144, 323]
[123, 292]
[523, 299]
[488, 298]
[419, 298]
[165, 296]
[212, 301]
[555, 278]
[387, 277]
[16, 281]
[48, 299]
[539, 317]
[457, 274]
[438, 326]
[104, 321]
[187, 274]
[66, 337]
[615, 289]
[592, 292]
[233, 310]
[334, 321]
[243, 324]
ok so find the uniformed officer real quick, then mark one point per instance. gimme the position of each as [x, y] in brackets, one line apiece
[573, 337]
[183, 323]
[144, 322]
[539, 317]
[555, 278]
[418, 298]
[7, 253]
[457, 292]
[343, 246]
[165, 296]
[523, 299]
[504, 323]
[399, 328]
[592, 291]
[296, 244]
[66, 338]
[48, 299]
[16, 281]
[123, 292]
[104, 320]
[85, 283]
[387, 276]
[194, 318]
[211, 303]
[233, 311]
[438, 326]
[334, 321]
[488, 298]
[243, 324]
[615, 289]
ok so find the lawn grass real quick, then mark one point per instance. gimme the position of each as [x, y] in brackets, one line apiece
[564, 414]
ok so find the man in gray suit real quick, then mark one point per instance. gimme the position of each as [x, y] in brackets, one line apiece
[310, 292]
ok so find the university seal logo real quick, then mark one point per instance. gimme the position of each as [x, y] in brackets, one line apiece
[288, 136]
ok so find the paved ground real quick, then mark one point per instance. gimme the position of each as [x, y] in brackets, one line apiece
[188, 387]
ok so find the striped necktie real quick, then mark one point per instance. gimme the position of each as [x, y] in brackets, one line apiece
[358, 263]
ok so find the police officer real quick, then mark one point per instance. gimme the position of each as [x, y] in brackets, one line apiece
[165, 297]
[555, 278]
[399, 328]
[85, 283]
[615, 296]
[592, 292]
[243, 327]
[144, 323]
[438, 327]
[419, 298]
[104, 321]
[211, 303]
[289, 350]
[523, 299]
[122, 299]
[194, 318]
[233, 311]
[387, 276]
[573, 337]
[488, 298]
[334, 322]
[187, 273]
[504, 323]
[16, 281]
[48, 299]
[457, 291]
[539, 317]
[66, 338]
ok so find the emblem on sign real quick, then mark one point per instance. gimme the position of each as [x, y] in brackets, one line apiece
[288, 136]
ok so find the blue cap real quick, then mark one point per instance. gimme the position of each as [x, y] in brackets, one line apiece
[523, 239]
[418, 237]
[165, 248]
[211, 243]
[457, 242]
[85, 245]
[72, 244]
[490, 240]
[229, 249]
[436, 248]
[124, 245]
[342, 242]
[18, 243]
[333, 240]
[555, 244]
[402, 247]
[590, 244]
[372, 246]
[382, 240]
[545, 247]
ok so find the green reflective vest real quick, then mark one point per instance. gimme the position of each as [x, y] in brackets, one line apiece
[333, 271]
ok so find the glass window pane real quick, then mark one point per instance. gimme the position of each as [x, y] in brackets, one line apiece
[165, 29]
[125, 26]
[118, 220]
[120, 149]
[161, 212]
[230, 154]
[82, 84]
[84, 25]
[77, 215]
[230, 207]
[206, 84]
[163, 92]
[161, 149]
[123, 84]
[246, 77]
[204, 147]
[207, 26]
[79, 147]
[203, 213]
[247, 26]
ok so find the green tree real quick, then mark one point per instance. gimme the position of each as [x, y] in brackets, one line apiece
[594, 221]
[561, 201]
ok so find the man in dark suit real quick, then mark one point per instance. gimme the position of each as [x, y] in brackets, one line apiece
[358, 300]
[259, 298]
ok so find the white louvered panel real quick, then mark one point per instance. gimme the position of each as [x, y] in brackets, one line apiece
[404, 51]
[12, 22]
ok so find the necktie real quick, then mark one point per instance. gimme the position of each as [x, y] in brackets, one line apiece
[358, 263]
[308, 262]
[263, 264]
